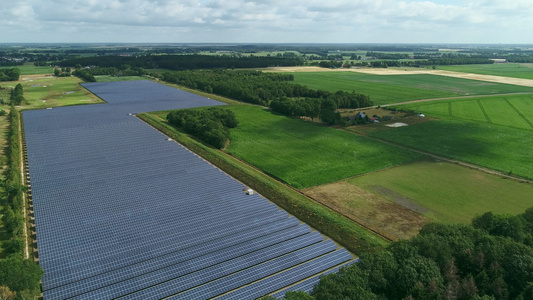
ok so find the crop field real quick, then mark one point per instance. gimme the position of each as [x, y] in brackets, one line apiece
[49, 91]
[508, 70]
[30, 69]
[492, 146]
[387, 89]
[398, 201]
[304, 154]
[447, 192]
[513, 111]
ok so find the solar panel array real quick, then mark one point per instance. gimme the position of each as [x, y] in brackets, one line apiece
[121, 212]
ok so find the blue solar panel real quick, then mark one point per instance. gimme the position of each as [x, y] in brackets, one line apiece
[120, 211]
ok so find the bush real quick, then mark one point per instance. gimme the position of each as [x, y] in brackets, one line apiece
[209, 125]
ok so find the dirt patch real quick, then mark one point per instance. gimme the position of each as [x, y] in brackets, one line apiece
[397, 124]
[403, 201]
[390, 219]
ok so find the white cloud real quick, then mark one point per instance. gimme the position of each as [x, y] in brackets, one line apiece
[469, 21]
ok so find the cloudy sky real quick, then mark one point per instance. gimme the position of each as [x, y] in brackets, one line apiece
[267, 21]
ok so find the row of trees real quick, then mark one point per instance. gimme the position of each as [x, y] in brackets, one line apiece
[17, 95]
[271, 89]
[18, 276]
[11, 74]
[185, 62]
[209, 125]
[490, 259]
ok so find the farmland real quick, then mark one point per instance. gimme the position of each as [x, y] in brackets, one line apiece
[385, 89]
[48, 91]
[513, 111]
[30, 69]
[496, 147]
[509, 69]
[304, 154]
[400, 200]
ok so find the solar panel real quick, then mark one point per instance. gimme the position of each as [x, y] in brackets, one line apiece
[120, 211]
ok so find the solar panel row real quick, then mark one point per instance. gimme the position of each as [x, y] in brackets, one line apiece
[121, 212]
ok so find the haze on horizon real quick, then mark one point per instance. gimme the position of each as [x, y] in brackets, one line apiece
[267, 21]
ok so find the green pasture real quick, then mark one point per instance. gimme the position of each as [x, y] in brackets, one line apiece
[305, 154]
[50, 91]
[387, 89]
[447, 192]
[31, 69]
[492, 146]
[507, 70]
[513, 111]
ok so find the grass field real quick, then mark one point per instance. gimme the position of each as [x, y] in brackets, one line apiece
[387, 89]
[30, 69]
[496, 147]
[447, 192]
[49, 91]
[513, 111]
[398, 201]
[508, 70]
[304, 154]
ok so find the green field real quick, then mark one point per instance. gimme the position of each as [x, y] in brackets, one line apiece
[50, 91]
[387, 89]
[513, 111]
[304, 154]
[506, 70]
[30, 69]
[496, 147]
[447, 192]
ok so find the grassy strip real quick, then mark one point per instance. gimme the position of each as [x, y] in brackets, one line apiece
[339, 228]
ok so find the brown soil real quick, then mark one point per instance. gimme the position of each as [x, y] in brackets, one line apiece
[393, 220]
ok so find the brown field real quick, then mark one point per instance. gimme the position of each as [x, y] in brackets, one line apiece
[395, 221]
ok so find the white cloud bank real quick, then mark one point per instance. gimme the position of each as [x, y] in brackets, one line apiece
[268, 21]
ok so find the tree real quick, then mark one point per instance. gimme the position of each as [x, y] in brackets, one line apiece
[6, 293]
[17, 95]
[19, 275]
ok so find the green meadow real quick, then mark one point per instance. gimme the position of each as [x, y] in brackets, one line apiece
[448, 193]
[50, 91]
[387, 89]
[497, 147]
[507, 70]
[512, 111]
[30, 69]
[304, 154]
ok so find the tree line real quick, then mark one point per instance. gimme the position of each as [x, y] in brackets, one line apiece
[11, 74]
[271, 89]
[492, 258]
[210, 125]
[185, 62]
[19, 277]
[17, 95]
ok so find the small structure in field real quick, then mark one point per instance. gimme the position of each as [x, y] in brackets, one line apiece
[249, 191]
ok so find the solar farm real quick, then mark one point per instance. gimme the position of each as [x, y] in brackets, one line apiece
[121, 212]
